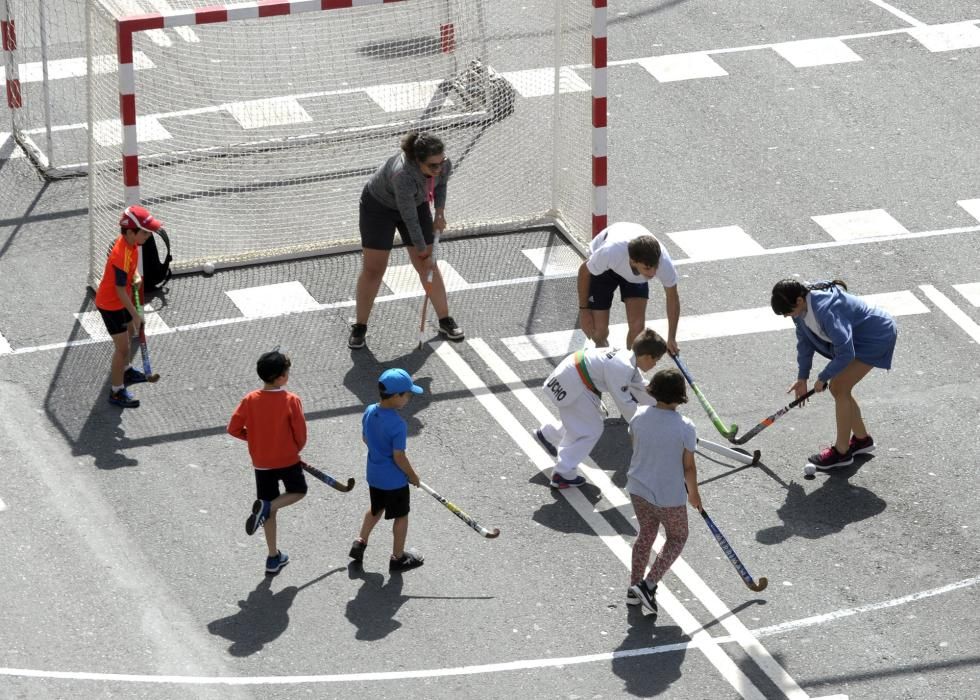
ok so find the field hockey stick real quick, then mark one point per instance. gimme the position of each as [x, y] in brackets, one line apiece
[728, 432]
[728, 452]
[766, 422]
[427, 286]
[733, 558]
[327, 479]
[144, 351]
[459, 513]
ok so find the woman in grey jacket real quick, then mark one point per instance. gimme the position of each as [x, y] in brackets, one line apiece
[854, 336]
[397, 197]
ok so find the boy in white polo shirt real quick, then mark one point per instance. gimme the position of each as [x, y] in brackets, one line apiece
[625, 256]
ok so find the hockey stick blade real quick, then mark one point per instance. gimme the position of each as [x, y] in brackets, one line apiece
[327, 479]
[459, 513]
[766, 422]
[752, 585]
[727, 431]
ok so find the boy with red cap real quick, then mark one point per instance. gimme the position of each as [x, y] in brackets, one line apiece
[114, 300]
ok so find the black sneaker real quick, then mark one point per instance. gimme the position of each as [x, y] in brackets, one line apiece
[646, 595]
[410, 559]
[123, 398]
[631, 597]
[448, 328]
[273, 565]
[133, 376]
[829, 458]
[861, 446]
[356, 339]
[357, 550]
[545, 444]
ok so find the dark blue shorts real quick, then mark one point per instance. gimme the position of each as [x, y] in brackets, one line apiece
[394, 502]
[603, 287]
[267, 481]
[116, 322]
[378, 223]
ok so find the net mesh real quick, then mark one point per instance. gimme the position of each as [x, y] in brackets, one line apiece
[256, 136]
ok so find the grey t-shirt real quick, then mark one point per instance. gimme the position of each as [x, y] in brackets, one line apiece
[656, 472]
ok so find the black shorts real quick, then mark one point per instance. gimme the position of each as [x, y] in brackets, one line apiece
[116, 322]
[394, 502]
[267, 481]
[378, 223]
[603, 287]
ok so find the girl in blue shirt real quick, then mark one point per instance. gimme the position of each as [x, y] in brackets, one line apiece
[851, 334]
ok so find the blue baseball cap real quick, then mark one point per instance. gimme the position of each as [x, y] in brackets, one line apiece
[398, 381]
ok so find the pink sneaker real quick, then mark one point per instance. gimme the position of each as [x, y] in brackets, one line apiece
[830, 458]
[860, 446]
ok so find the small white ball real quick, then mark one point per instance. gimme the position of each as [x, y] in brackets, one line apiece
[809, 470]
[209, 268]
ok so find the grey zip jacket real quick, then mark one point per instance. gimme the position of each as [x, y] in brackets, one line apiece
[401, 185]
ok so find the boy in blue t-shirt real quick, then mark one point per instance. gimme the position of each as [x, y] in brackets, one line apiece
[388, 470]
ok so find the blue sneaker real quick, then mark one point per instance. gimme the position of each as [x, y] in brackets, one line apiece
[273, 565]
[133, 376]
[260, 513]
[560, 482]
[545, 444]
[123, 399]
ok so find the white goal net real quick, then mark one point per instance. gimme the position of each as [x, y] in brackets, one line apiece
[255, 130]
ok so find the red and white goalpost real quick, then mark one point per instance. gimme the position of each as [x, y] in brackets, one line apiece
[251, 131]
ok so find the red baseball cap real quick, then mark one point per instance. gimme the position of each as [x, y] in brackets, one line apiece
[139, 218]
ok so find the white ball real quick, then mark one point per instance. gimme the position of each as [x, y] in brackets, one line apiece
[209, 268]
[809, 470]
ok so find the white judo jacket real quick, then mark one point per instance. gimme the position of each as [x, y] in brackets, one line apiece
[588, 373]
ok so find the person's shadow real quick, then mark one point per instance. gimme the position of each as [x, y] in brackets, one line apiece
[372, 611]
[826, 511]
[362, 381]
[262, 617]
[645, 674]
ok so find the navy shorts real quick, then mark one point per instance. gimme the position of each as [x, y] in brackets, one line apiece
[394, 502]
[378, 223]
[603, 287]
[267, 481]
[116, 322]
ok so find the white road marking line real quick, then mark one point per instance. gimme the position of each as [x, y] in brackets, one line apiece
[904, 16]
[554, 259]
[860, 224]
[972, 207]
[716, 243]
[403, 97]
[770, 631]
[276, 299]
[721, 324]
[681, 66]
[971, 292]
[948, 37]
[952, 310]
[403, 279]
[4, 346]
[668, 602]
[816, 52]
[92, 323]
[275, 111]
[110, 131]
[540, 82]
[63, 68]
[3, 506]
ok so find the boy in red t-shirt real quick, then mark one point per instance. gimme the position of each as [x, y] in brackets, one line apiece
[271, 420]
[114, 300]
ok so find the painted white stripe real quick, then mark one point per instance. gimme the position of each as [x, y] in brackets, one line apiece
[972, 207]
[3, 506]
[971, 292]
[904, 16]
[697, 327]
[540, 82]
[92, 323]
[554, 259]
[404, 97]
[816, 52]
[63, 68]
[668, 602]
[948, 37]
[404, 280]
[110, 132]
[955, 313]
[276, 299]
[258, 114]
[716, 243]
[4, 346]
[860, 224]
[681, 66]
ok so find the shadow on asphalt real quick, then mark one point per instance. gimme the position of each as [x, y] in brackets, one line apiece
[647, 675]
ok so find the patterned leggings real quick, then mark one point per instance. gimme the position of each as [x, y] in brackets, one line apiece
[650, 517]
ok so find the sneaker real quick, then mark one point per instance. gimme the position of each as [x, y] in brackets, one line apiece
[830, 458]
[356, 339]
[260, 512]
[448, 328]
[646, 595]
[133, 376]
[410, 559]
[560, 482]
[273, 565]
[123, 399]
[545, 444]
[861, 446]
[357, 550]
[631, 597]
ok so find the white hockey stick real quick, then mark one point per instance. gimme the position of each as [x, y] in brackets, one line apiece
[427, 285]
[728, 452]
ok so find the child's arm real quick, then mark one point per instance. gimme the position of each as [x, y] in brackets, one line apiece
[236, 426]
[401, 459]
[124, 297]
[297, 422]
[691, 479]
